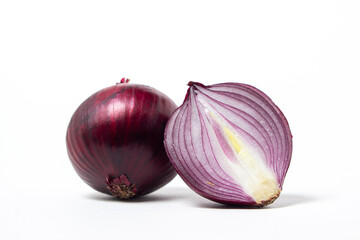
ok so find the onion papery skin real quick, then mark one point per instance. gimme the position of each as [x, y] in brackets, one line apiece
[230, 143]
[115, 140]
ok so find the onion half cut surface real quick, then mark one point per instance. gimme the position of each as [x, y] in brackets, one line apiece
[230, 143]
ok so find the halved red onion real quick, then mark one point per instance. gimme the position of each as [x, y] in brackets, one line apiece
[230, 143]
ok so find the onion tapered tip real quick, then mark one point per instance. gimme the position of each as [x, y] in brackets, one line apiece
[123, 80]
[191, 84]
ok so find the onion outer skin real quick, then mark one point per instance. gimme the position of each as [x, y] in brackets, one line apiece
[225, 125]
[115, 140]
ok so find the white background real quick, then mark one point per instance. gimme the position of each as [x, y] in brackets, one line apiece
[53, 54]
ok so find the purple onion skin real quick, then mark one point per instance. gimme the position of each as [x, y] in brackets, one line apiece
[193, 164]
[115, 140]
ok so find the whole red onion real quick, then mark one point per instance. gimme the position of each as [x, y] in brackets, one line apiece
[115, 140]
[230, 143]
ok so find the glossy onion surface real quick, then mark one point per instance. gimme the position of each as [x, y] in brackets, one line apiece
[230, 143]
[115, 140]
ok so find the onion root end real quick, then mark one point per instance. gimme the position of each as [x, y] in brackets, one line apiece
[121, 187]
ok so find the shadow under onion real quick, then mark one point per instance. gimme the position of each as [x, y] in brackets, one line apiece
[185, 195]
[285, 200]
[162, 195]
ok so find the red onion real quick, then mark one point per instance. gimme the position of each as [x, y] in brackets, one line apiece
[115, 140]
[230, 143]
